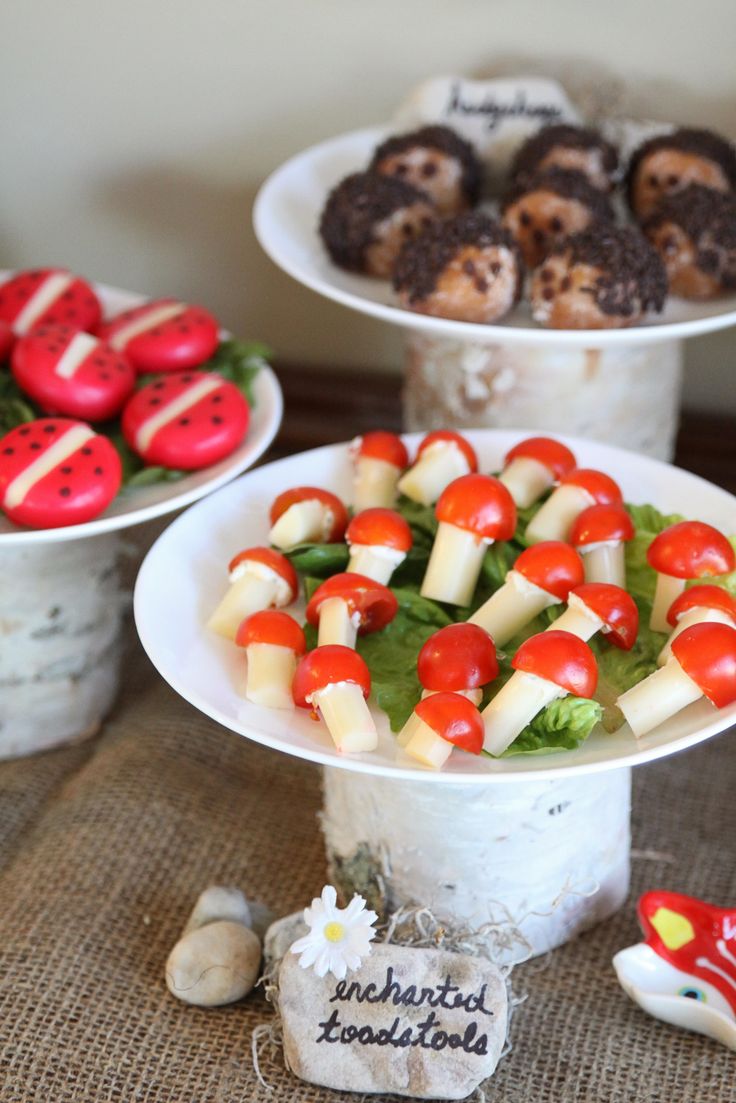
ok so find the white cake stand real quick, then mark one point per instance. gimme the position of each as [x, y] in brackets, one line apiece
[61, 600]
[619, 386]
[539, 841]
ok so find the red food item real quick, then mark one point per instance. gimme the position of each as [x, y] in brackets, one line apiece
[55, 472]
[702, 597]
[616, 609]
[273, 627]
[479, 504]
[601, 523]
[326, 666]
[454, 719]
[163, 335]
[553, 566]
[691, 549]
[46, 296]
[188, 420]
[460, 656]
[451, 438]
[7, 339]
[270, 558]
[600, 486]
[561, 658]
[379, 527]
[707, 654]
[552, 454]
[376, 604]
[72, 373]
[310, 494]
[380, 445]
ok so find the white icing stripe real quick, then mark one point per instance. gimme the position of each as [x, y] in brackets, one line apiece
[49, 291]
[53, 457]
[172, 410]
[156, 316]
[78, 349]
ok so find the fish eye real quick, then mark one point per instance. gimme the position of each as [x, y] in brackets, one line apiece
[691, 993]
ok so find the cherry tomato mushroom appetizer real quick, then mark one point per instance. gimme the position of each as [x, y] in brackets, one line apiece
[533, 466]
[599, 533]
[460, 658]
[441, 457]
[578, 490]
[698, 605]
[378, 459]
[600, 607]
[439, 723]
[335, 682]
[703, 664]
[259, 578]
[273, 641]
[379, 542]
[547, 666]
[685, 551]
[307, 515]
[542, 575]
[346, 605]
[473, 512]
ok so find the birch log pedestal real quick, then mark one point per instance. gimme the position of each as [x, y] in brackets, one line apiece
[545, 859]
[62, 607]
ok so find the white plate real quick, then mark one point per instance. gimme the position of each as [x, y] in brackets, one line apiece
[286, 215]
[184, 576]
[143, 503]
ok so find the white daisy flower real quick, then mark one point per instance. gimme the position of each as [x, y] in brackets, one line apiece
[339, 938]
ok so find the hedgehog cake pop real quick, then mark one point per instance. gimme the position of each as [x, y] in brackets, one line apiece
[368, 217]
[467, 268]
[436, 160]
[669, 162]
[572, 148]
[604, 278]
[694, 232]
[550, 206]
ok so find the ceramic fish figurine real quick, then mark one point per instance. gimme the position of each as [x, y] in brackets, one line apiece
[685, 970]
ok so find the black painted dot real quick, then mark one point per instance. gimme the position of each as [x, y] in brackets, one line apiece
[555, 225]
[8, 451]
[407, 229]
[548, 293]
[66, 469]
[25, 431]
[469, 267]
[184, 329]
[156, 331]
[98, 361]
[539, 236]
[216, 398]
[184, 420]
[35, 446]
[401, 169]
[673, 180]
[49, 428]
[653, 180]
[565, 283]
[495, 267]
[104, 375]
[429, 168]
[64, 491]
[216, 420]
[159, 386]
[154, 402]
[71, 313]
[86, 451]
[525, 218]
[99, 471]
[481, 285]
[68, 295]
[22, 292]
[186, 379]
[546, 275]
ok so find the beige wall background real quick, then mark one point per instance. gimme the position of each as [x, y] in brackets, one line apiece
[134, 134]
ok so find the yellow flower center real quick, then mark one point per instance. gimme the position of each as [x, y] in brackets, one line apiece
[334, 932]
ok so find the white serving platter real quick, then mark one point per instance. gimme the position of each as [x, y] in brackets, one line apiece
[184, 576]
[286, 215]
[144, 503]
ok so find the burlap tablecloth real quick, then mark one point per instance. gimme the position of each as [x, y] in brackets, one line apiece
[105, 846]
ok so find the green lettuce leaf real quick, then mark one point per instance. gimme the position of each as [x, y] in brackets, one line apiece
[562, 726]
[319, 560]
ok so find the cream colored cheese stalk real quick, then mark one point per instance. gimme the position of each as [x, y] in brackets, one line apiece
[514, 706]
[668, 588]
[659, 696]
[439, 465]
[253, 587]
[454, 565]
[374, 484]
[375, 561]
[270, 674]
[304, 522]
[578, 619]
[343, 708]
[605, 562]
[698, 615]
[423, 744]
[555, 517]
[526, 480]
[512, 606]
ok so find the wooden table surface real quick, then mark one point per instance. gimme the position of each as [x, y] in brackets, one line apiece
[321, 409]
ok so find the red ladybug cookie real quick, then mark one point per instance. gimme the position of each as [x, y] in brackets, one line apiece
[44, 296]
[188, 420]
[56, 472]
[163, 335]
[72, 373]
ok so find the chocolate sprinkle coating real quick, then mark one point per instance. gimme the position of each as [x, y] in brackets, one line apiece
[445, 140]
[536, 148]
[632, 276]
[701, 143]
[421, 262]
[354, 208]
[565, 183]
[708, 217]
